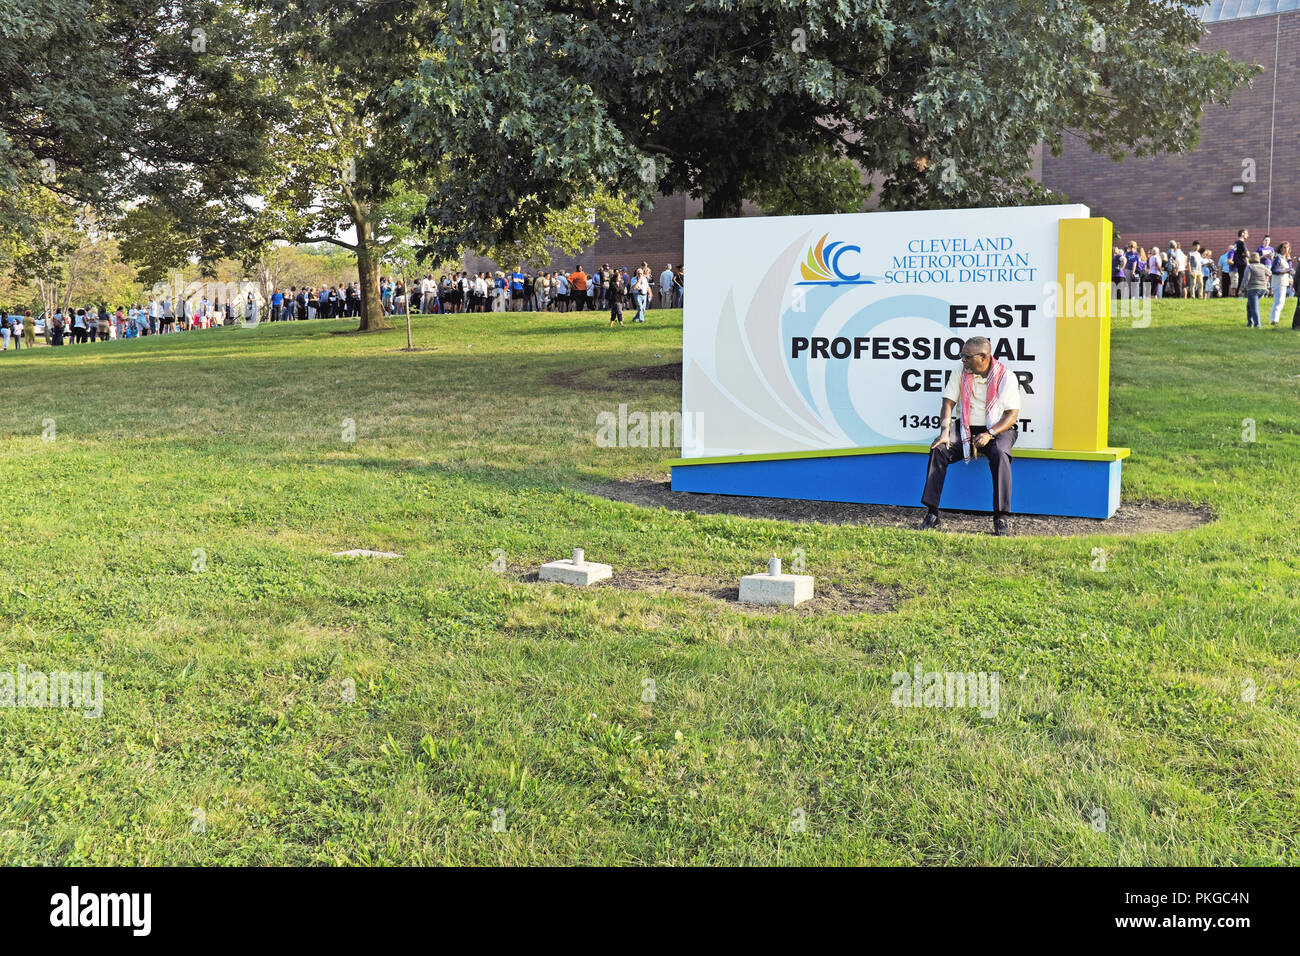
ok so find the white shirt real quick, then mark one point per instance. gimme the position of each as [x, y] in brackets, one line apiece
[979, 395]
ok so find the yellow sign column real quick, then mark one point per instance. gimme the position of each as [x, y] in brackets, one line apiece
[1082, 403]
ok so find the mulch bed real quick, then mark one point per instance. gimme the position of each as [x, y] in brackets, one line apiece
[1132, 517]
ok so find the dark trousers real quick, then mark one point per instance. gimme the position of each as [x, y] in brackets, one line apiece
[1241, 281]
[998, 453]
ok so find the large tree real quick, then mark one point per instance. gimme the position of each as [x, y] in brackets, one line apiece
[102, 100]
[943, 101]
[325, 155]
[68, 69]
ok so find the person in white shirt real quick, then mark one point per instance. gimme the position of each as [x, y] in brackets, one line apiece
[641, 293]
[1282, 272]
[1195, 280]
[480, 292]
[986, 395]
[562, 291]
[1178, 269]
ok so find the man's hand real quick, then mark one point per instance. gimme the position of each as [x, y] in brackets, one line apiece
[943, 441]
[982, 439]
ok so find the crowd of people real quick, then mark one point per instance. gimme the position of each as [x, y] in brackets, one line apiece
[1239, 272]
[606, 288]
[18, 329]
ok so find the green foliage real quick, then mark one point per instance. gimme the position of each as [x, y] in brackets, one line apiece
[945, 103]
[567, 230]
[813, 185]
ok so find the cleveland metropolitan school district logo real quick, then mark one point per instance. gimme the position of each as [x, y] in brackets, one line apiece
[822, 267]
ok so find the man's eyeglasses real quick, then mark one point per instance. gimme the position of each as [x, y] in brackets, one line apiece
[968, 359]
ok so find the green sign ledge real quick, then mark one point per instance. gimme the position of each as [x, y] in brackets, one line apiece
[1064, 454]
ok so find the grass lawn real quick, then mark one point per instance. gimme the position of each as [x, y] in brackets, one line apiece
[176, 535]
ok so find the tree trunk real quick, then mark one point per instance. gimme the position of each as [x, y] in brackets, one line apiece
[372, 308]
[407, 301]
[724, 202]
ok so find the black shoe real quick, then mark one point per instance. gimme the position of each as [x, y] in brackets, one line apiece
[931, 520]
[1001, 527]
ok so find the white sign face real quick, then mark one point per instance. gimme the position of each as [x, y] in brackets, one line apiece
[820, 332]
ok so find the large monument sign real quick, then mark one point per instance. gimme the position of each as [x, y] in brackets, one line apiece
[816, 349]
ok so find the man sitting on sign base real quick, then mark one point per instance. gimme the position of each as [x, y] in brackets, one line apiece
[984, 390]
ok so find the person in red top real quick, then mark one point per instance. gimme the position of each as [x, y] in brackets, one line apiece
[578, 283]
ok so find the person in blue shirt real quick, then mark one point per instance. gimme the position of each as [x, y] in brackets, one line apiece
[1225, 274]
[1132, 270]
[499, 292]
[277, 303]
[517, 290]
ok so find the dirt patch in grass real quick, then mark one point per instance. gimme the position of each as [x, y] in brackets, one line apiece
[672, 372]
[828, 598]
[1132, 517]
[570, 380]
[601, 380]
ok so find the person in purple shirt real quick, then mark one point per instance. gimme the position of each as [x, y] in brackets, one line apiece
[1132, 270]
[1265, 253]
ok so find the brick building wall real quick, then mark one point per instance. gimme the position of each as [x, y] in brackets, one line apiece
[1189, 196]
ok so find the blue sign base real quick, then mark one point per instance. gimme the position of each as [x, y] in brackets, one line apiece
[1039, 485]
